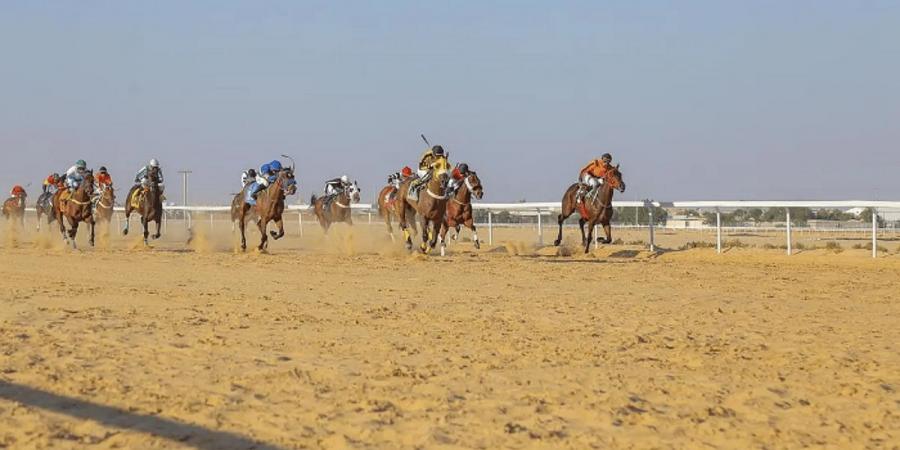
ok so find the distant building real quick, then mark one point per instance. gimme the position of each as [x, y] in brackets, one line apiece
[684, 222]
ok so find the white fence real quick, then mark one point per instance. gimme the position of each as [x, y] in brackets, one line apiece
[541, 208]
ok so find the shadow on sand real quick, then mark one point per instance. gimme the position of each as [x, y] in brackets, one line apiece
[187, 434]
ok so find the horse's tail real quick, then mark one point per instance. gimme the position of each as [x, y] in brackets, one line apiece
[312, 202]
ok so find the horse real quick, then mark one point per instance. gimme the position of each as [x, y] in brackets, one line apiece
[595, 207]
[237, 203]
[75, 209]
[459, 208]
[148, 204]
[388, 206]
[430, 206]
[338, 210]
[44, 206]
[104, 204]
[14, 208]
[269, 207]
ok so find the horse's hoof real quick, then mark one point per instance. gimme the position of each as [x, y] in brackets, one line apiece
[557, 242]
[125, 232]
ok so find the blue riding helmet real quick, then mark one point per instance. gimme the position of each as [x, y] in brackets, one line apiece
[265, 169]
[275, 165]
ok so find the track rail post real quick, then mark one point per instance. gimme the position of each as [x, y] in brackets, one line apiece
[788, 215]
[490, 228]
[540, 228]
[718, 231]
[649, 205]
[874, 233]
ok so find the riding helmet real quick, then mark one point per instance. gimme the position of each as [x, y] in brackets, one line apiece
[606, 157]
[437, 150]
[463, 168]
[102, 169]
[80, 164]
[154, 163]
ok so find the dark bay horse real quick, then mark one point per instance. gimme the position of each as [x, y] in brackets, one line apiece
[147, 201]
[338, 210]
[237, 204]
[14, 209]
[459, 208]
[430, 207]
[269, 207]
[105, 204]
[44, 206]
[76, 208]
[596, 207]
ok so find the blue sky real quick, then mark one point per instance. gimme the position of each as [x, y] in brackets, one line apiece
[696, 100]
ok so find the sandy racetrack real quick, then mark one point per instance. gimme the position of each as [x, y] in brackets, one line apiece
[350, 342]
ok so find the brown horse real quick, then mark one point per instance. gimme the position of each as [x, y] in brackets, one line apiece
[338, 210]
[269, 207]
[75, 209]
[430, 207]
[595, 207]
[459, 208]
[14, 208]
[388, 206]
[148, 204]
[104, 205]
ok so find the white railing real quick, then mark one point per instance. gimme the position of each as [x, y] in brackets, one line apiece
[541, 208]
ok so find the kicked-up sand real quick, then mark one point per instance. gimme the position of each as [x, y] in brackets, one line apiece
[351, 342]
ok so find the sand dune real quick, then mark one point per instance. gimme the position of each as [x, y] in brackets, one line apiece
[347, 341]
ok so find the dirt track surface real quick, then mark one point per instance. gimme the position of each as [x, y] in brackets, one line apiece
[199, 347]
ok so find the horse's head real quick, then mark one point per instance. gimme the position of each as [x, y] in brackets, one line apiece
[87, 184]
[153, 174]
[613, 178]
[288, 183]
[473, 183]
[354, 191]
[440, 171]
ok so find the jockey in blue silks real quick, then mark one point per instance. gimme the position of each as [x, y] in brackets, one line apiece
[268, 173]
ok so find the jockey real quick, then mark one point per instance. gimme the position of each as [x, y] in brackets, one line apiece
[103, 179]
[592, 175]
[268, 173]
[458, 176]
[140, 178]
[335, 186]
[75, 175]
[247, 176]
[17, 191]
[426, 164]
[396, 178]
[51, 183]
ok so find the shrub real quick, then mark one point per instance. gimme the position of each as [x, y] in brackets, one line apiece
[697, 244]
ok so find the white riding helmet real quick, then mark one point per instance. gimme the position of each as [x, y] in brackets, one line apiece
[345, 179]
[154, 162]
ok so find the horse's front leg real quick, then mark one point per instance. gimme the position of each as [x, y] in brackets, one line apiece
[584, 239]
[443, 237]
[145, 223]
[158, 226]
[242, 224]
[470, 223]
[127, 216]
[608, 230]
[73, 231]
[590, 237]
[435, 232]
[264, 240]
[92, 223]
[279, 222]
[426, 232]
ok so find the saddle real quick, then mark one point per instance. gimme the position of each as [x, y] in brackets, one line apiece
[415, 187]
